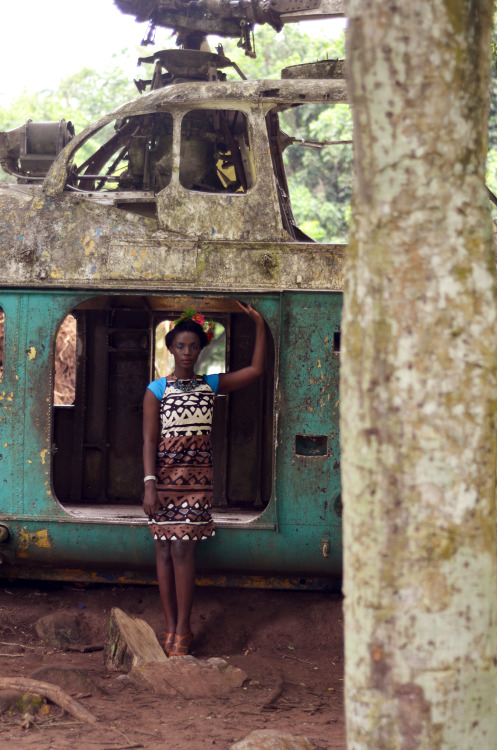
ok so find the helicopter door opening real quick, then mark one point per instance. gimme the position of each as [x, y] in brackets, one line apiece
[116, 347]
[2, 329]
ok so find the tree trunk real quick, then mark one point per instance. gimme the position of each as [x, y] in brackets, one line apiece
[418, 382]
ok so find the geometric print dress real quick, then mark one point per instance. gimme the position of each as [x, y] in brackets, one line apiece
[184, 464]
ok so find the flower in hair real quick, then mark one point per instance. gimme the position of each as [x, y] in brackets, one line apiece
[208, 326]
[209, 329]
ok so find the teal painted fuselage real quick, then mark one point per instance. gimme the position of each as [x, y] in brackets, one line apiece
[124, 261]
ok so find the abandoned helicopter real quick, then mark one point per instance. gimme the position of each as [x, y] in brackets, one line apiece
[178, 198]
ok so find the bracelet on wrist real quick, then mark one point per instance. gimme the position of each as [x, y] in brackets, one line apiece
[149, 478]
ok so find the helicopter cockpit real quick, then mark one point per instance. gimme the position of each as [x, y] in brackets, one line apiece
[203, 159]
[200, 155]
[215, 154]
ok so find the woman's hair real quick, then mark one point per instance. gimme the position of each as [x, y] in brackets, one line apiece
[186, 324]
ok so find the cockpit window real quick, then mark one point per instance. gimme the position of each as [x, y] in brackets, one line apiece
[133, 153]
[215, 151]
[314, 176]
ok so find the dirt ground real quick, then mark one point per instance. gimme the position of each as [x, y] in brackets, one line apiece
[289, 643]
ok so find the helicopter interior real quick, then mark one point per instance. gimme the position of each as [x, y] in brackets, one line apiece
[136, 153]
[97, 435]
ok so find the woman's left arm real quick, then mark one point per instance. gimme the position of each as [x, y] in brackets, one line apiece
[233, 381]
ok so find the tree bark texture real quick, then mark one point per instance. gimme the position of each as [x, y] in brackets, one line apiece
[418, 382]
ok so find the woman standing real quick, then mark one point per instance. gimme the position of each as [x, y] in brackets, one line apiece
[177, 460]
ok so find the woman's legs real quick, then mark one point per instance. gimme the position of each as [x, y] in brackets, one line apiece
[183, 558]
[167, 587]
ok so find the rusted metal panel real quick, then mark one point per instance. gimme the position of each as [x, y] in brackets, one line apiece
[48, 536]
[317, 70]
[309, 480]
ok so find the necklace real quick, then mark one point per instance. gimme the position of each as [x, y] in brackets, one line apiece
[185, 385]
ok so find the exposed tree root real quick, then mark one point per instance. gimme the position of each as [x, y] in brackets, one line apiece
[53, 692]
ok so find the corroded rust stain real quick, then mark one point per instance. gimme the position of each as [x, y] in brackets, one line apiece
[28, 538]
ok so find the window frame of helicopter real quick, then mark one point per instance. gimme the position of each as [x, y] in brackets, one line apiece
[89, 178]
[279, 141]
[239, 151]
[219, 216]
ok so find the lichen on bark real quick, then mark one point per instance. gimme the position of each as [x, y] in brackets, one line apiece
[418, 382]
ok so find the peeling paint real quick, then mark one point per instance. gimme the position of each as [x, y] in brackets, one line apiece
[27, 538]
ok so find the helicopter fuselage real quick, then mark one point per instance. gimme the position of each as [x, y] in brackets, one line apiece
[197, 213]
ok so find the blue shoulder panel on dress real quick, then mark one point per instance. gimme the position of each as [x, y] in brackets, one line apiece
[158, 387]
[212, 381]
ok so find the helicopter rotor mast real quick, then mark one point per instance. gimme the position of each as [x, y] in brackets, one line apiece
[195, 19]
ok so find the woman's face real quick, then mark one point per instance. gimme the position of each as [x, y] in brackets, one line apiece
[185, 350]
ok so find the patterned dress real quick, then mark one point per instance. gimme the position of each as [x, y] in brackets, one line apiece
[184, 465]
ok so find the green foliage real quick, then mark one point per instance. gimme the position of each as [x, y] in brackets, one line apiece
[81, 98]
[319, 180]
[492, 169]
[275, 51]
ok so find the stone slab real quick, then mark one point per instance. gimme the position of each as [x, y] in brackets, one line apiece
[190, 677]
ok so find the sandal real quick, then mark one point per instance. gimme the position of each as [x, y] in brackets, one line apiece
[168, 643]
[181, 644]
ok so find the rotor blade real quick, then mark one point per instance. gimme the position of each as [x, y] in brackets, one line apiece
[226, 18]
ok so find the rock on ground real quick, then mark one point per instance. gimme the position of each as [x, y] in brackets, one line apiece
[190, 677]
[63, 628]
[72, 681]
[270, 739]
